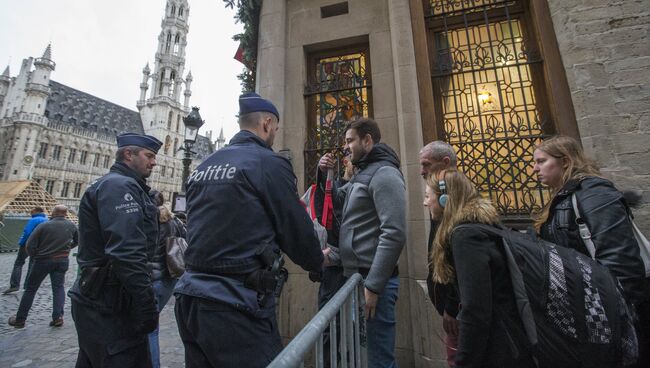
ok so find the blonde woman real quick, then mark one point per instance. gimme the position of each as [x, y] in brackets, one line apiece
[560, 163]
[490, 331]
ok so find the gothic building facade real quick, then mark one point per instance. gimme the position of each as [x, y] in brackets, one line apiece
[63, 138]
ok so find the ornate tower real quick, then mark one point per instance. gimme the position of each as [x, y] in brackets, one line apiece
[161, 89]
[38, 87]
[162, 113]
[5, 81]
[28, 94]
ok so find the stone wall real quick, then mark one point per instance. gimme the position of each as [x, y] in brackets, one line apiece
[606, 54]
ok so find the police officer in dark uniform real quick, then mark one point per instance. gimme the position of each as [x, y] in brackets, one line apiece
[243, 214]
[113, 303]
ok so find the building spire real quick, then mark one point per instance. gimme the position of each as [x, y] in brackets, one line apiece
[221, 141]
[6, 72]
[47, 55]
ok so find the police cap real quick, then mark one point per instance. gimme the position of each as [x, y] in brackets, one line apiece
[252, 102]
[140, 140]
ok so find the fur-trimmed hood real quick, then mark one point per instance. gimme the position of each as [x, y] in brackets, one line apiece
[479, 211]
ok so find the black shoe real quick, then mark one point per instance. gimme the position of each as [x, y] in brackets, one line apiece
[57, 322]
[10, 290]
[16, 323]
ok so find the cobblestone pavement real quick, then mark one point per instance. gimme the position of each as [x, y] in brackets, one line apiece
[42, 346]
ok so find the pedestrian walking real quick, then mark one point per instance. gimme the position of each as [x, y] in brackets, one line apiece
[243, 212]
[38, 217]
[113, 302]
[49, 247]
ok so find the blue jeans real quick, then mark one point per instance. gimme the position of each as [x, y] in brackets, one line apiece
[381, 328]
[56, 268]
[162, 289]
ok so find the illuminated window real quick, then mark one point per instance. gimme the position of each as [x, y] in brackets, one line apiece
[339, 91]
[487, 83]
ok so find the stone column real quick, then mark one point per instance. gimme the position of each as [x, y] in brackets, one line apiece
[418, 322]
[271, 50]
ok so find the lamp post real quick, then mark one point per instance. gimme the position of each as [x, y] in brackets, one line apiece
[192, 124]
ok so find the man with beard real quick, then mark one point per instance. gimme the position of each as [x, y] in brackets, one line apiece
[113, 304]
[373, 230]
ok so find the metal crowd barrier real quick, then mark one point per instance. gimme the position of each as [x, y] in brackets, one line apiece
[347, 348]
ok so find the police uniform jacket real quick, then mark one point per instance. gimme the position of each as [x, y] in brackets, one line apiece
[118, 224]
[239, 199]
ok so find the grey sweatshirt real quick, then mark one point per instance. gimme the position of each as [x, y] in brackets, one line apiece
[373, 228]
[53, 238]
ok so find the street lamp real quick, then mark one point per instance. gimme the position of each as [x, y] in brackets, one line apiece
[192, 124]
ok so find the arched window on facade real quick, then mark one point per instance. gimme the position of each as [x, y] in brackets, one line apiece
[177, 43]
[175, 145]
[161, 80]
[173, 10]
[168, 143]
[169, 120]
[180, 11]
[178, 123]
[172, 88]
[169, 42]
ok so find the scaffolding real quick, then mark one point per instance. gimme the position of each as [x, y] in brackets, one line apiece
[18, 198]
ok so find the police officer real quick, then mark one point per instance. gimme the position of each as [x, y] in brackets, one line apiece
[243, 209]
[113, 304]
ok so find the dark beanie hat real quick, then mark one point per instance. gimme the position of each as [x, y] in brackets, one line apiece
[140, 140]
[252, 102]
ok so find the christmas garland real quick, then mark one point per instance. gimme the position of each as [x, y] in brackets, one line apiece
[248, 14]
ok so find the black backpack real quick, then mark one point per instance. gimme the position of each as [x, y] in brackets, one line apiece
[571, 307]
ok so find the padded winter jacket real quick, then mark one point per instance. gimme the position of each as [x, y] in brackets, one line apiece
[605, 213]
[373, 227]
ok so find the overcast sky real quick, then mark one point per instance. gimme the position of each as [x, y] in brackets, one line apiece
[100, 47]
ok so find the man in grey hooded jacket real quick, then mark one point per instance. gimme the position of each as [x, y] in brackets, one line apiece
[373, 230]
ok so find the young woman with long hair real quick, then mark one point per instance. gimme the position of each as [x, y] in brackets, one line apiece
[491, 333]
[560, 163]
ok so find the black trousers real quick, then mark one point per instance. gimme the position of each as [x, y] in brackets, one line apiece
[17, 271]
[107, 340]
[218, 335]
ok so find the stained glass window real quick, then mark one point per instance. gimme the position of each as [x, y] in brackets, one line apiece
[339, 92]
[486, 76]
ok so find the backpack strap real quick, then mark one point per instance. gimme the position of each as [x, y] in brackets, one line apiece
[585, 234]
